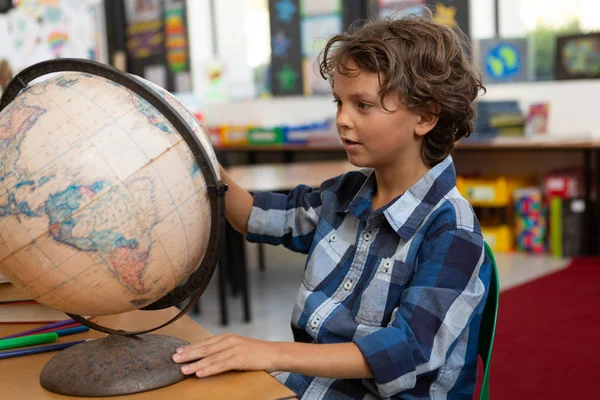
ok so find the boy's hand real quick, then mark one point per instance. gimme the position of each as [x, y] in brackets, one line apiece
[226, 352]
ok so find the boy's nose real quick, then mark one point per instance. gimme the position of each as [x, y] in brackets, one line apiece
[343, 120]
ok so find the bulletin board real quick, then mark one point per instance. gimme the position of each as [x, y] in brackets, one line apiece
[38, 30]
[321, 19]
[299, 32]
[451, 13]
[157, 42]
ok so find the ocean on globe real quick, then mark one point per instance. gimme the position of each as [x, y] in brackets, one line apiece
[103, 208]
[503, 61]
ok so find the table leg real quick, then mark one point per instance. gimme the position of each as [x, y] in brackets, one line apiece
[243, 276]
[232, 243]
[223, 267]
[261, 256]
[587, 192]
[288, 157]
[587, 174]
[595, 248]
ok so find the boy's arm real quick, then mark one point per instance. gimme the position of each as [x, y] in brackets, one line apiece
[232, 352]
[444, 296]
[238, 203]
[435, 310]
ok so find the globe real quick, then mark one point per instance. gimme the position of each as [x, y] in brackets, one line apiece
[103, 208]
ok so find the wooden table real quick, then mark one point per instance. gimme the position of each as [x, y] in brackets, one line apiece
[19, 376]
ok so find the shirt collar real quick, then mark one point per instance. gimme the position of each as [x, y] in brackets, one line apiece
[406, 213]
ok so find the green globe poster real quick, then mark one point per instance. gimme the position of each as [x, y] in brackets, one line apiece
[504, 60]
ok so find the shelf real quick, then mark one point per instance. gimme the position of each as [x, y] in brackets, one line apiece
[503, 143]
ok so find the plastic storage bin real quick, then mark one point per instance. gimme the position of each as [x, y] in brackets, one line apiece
[234, 135]
[265, 135]
[489, 192]
[500, 238]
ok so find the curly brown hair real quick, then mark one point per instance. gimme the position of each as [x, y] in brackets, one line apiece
[424, 63]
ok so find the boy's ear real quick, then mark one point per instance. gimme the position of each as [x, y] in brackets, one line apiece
[428, 121]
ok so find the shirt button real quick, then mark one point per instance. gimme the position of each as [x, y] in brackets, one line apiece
[367, 235]
[387, 265]
[348, 285]
[333, 238]
[314, 323]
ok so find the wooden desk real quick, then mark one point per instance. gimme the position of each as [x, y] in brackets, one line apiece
[19, 376]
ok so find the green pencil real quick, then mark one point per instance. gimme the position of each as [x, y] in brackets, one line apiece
[29, 340]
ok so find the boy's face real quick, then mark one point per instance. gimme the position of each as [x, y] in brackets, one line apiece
[372, 136]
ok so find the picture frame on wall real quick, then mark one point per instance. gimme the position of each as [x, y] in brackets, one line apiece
[578, 56]
[504, 60]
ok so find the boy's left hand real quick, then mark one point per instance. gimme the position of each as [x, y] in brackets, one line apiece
[224, 353]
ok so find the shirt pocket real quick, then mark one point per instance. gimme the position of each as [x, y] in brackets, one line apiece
[327, 254]
[382, 294]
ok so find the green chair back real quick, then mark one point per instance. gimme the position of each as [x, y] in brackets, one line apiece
[488, 327]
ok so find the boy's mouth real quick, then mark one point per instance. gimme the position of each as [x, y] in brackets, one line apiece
[349, 142]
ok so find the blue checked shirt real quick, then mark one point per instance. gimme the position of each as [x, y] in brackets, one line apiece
[407, 283]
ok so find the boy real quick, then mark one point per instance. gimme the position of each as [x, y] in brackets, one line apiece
[396, 275]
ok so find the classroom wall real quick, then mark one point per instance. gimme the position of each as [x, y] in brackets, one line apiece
[573, 106]
[572, 109]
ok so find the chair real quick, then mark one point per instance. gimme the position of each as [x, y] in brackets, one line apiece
[488, 327]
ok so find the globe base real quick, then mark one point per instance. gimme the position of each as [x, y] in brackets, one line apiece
[114, 365]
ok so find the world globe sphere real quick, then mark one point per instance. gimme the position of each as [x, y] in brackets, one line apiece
[103, 207]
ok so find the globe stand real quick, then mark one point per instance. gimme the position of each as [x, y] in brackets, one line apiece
[114, 365]
[130, 362]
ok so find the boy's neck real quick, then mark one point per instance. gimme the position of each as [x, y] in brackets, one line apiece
[396, 179]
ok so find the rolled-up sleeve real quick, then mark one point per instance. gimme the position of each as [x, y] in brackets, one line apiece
[447, 290]
[290, 219]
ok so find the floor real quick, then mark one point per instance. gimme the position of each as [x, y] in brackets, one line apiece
[273, 291]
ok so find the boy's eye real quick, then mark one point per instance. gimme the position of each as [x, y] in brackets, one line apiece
[337, 102]
[364, 106]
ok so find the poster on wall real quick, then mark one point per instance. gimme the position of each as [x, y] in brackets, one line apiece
[400, 8]
[578, 56]
[504, 60]
[320, 7]
[176, 44]
[451, 13]
[145, 35]
[316, 30]
[286, 50]
[42, 30]
[314, 84]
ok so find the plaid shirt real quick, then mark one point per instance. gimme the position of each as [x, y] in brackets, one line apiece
[407, 283]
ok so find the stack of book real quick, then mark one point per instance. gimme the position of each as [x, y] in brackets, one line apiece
[498, 118]
[17, 306]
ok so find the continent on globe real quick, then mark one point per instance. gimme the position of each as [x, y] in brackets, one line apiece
[126, 256]
[14, 125]
[154, 117]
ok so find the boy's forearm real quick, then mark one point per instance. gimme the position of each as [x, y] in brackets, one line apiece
[238, 203]
[339, 361]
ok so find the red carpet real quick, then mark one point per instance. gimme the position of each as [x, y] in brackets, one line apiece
[547, 342]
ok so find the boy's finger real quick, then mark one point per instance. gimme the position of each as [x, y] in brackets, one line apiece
[204, 363]
[203, 342]
[200, 352]
[217, 367]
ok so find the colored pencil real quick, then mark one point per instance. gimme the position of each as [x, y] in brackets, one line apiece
[40, 349]
[41, 328]
[28, 340]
